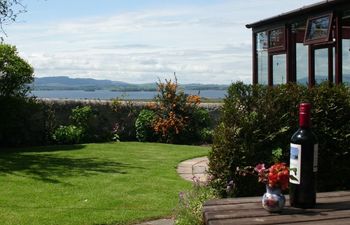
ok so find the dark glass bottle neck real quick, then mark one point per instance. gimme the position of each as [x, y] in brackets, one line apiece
[304, 120]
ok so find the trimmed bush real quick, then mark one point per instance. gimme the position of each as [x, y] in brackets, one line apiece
[258, 119]
[23, 123]
[28, 122]
[331, 116]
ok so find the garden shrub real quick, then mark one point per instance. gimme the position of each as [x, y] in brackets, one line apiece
[171, 112]
[83, 118]
[330, 118]
[80, 116]
[198, 128]
[258, 119]
[100, 117]
[144, 126]
[70, 134]
[178, 116]
[76, 132]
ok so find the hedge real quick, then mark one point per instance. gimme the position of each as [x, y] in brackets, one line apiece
[257, 119]
[30, 121]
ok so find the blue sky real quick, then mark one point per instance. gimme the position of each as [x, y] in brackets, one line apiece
[139, 41]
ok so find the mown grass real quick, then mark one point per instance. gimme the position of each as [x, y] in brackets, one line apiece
[113, 183]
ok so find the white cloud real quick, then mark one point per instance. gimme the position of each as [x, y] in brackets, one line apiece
[202, 44]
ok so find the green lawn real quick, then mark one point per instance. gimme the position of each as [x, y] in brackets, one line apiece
[113, 183]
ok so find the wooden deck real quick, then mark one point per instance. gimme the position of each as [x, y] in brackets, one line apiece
[333, 208]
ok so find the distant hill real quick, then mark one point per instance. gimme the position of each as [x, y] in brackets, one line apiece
[67, 82]
[346, 79]
[88, 84]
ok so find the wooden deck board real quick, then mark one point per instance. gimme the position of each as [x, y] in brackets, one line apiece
[332, 208]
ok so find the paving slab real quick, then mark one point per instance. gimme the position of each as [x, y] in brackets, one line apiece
[194, 169]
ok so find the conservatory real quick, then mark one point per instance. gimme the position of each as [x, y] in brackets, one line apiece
[306, 46]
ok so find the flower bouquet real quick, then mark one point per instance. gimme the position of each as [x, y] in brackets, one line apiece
[276, 178]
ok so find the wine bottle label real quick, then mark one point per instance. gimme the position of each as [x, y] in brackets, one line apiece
[295, 163]
[315, 157]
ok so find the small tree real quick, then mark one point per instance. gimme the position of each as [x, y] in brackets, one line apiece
[178, 118]
[15, 72]
[171, 104]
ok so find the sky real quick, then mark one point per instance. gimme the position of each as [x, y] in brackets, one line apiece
[141, 41]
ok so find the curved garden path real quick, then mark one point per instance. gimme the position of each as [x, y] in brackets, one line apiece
[192, 169]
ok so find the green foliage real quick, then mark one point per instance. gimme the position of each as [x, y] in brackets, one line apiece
[80, 116]
[19, 116]
[189, 209]
[206, 135]
[23, 122]
[330, 118]
[15, 73]
[198, 128]
[126, 113]
[77, 131]
[144, 126]
[277, 155]
[258, 119]
[68, 134]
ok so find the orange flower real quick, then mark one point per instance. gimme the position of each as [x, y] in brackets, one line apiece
[278, 176]
[194, 99]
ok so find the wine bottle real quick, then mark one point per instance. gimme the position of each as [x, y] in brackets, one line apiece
[303, 162]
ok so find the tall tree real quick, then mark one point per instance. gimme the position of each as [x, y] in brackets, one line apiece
[9, 10]
[15, 73]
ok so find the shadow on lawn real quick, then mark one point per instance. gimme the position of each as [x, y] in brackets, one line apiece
[51, 148]
[41, 164]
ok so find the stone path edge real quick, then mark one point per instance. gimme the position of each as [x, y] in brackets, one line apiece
[194, 168]
[188, 169]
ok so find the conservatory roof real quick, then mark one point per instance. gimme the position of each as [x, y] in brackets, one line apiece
[309, 9]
